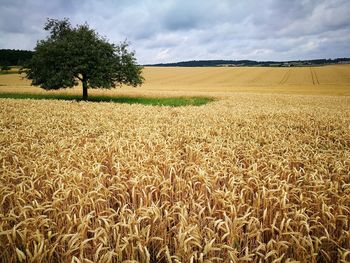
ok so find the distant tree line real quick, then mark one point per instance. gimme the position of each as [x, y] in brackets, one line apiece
[12, 57]
[250, 63]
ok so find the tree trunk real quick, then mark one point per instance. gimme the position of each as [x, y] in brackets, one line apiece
[85, 89]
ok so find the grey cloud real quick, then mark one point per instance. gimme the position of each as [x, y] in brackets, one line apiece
[173, 30]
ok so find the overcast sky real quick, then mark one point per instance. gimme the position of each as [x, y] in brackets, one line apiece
[177, 30]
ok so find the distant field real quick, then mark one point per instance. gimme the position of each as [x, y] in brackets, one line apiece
[330, 80]
[327, 80]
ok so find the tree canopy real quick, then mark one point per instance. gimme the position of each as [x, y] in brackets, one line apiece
[70, 54]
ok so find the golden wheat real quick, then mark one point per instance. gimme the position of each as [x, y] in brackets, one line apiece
[261, 178]
[326, 80]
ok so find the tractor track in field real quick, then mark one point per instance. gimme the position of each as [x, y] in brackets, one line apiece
[285, 77]
[259, 77]
[314, 77]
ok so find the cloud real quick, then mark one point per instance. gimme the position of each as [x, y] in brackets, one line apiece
[174, 30]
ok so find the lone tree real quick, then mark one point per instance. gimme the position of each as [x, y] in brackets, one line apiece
[70, 54]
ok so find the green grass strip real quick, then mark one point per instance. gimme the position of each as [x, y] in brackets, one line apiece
[5, 72]
[172, 101]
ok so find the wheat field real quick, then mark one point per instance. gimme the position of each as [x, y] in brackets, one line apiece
[250, 177]
[162, 81]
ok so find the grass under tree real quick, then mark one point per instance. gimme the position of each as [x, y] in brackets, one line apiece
[167, 101]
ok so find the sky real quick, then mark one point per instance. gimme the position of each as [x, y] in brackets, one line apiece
[161, 31]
